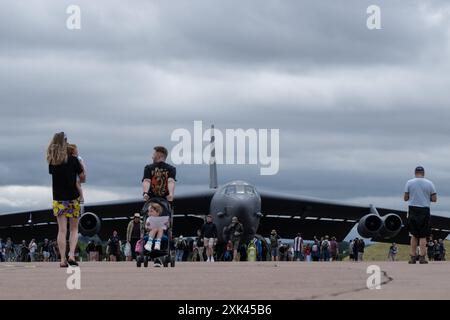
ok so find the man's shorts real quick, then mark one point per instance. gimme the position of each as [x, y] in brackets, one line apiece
[208, 242]
[70, 209]
[274, 252]
[46, 254]
[419, 222]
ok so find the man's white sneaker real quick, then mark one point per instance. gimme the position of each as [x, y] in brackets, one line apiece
[212, 259]
[148, 246]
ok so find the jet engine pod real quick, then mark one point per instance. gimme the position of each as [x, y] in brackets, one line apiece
[391, 226]
[369, 225]
[89, 224]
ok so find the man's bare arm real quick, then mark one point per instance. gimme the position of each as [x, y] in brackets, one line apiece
[171, 187]
[406, 196]
[434, 197]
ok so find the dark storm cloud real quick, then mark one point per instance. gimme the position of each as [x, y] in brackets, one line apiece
[357, 109]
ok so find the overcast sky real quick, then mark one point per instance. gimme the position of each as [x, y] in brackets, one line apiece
[357, 109]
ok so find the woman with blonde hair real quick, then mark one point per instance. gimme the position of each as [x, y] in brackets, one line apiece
[65, 169]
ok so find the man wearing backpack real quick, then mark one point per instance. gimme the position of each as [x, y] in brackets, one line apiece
[326, 249]
[236, 231]
[274, 245]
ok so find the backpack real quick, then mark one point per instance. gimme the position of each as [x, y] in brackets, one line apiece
[181, 244]
[325, 244]
[273, 241]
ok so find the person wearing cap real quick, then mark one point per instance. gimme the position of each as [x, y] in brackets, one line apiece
[135, 231]
[209, 235]
[419, 192]
[236, 231]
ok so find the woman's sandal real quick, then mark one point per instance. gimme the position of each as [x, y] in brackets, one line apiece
[72, 263]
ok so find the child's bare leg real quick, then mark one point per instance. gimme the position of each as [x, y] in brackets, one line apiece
[152, 233]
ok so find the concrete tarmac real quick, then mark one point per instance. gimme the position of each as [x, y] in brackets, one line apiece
[226, 281]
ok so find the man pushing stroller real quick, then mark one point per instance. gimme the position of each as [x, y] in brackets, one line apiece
[158, 182]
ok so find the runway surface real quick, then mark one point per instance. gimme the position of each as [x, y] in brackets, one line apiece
[226, 281]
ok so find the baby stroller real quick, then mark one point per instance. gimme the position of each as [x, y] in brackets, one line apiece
[165, 255]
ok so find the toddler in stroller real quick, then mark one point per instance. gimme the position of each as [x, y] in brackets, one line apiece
[155, 224]
[157, 214]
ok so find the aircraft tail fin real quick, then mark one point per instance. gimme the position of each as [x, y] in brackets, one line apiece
[212, 163]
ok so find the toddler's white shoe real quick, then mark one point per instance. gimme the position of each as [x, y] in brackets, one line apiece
[148, 246]
[157, 245]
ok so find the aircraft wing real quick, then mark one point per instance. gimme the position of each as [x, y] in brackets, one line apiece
[41, 224]
[290, 214]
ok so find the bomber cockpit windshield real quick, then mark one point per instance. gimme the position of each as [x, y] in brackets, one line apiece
[239, 189]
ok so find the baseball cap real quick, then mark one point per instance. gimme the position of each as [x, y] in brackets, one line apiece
[419, 169]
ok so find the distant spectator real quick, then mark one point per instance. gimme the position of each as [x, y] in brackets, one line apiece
[24, 252]
[114, 247]
[361, 247]
[436, 251]
[2, 251]
[290, 253]
[180, 246]
[315, 251]
[200, 245]
[259, 249]
[45, 250]
[334, 249]
[32, 248]
[442, 250]
[325, 246]
[209, 235]
[355, 249]
[350, 250]
[307, 253]
[228, 256]
[274, 245]
[236, 231]
[430, 248]
[298, 247]
[9, 249]
[99, 249]
[91, 251]
[393, 250]
[135, 231]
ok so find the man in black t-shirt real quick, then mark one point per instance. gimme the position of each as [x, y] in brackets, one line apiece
[159, 177]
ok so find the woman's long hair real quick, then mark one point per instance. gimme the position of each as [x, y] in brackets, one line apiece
[57, 149]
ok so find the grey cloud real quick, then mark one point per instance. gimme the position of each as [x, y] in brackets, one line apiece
[356, 109]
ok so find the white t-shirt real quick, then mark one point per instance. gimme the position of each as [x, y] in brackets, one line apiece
[420, 191]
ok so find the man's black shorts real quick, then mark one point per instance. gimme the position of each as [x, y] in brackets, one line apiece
[419, 221]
